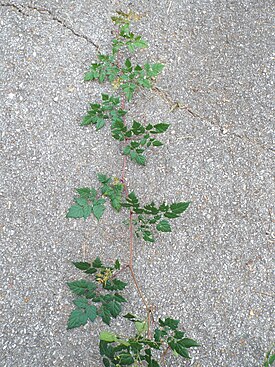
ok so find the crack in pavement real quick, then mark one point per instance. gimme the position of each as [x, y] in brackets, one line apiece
[174, 105]
[23, 8]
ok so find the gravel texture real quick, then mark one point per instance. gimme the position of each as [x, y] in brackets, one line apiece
[214, 272]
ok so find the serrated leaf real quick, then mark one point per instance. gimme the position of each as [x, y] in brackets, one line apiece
[87, 193]
[91, 312]
[81, 302]
[77, 318]
[105, 314]
[82, 287]
[82, 265]
[119, 298]
[160, 128]
[164, 226]
[181, 351]
[157, 68]
[107, 336]
[140, 159]
[115, 285]
[179, 208]
[98, 210]
[75, 211]
[127, 150]
[100, 123]
[90, 75]
[114, 307]
[171, 323]
[157, 335]
[97, 263]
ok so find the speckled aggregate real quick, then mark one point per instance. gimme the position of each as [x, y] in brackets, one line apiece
[214, 272]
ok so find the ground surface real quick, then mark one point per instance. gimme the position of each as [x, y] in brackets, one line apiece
[214, 272]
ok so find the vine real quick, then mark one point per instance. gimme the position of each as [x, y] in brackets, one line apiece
[100, 293]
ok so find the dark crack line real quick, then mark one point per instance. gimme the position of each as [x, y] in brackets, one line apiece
[174, 105]
[22, 9]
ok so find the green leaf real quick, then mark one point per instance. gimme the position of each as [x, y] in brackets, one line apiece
[181, 351]
[90, 75]
[82, 265]
[127, 150]
[106, 362]
[117, 264]
[97, 263]
[119, 298]
[108, 337]
[105, 314]
[90, 271]
[87, 210]
[157, 143]
[271, 359]
[115, 285]
[148, 236]
[114, 307]
[100, 123]
[171, 323]
[179, 208]
[77, 318]
[98, 210]
[179, 334]
[106, 349]
[103, 178]
[126, 359]
[81, 302]
[130, 317]
[128, 63]
[157, 68]
[91, 312]
[81, 287]
[188, 343]
[128, 89]
[140, 159]
[164, 226]
[160, 128]
[141, 327]
[75, 211]
[87, 193]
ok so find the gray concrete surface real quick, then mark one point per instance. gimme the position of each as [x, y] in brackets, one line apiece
[214, 271]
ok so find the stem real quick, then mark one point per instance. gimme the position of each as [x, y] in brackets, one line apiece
[164, 354]
[131, 256]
